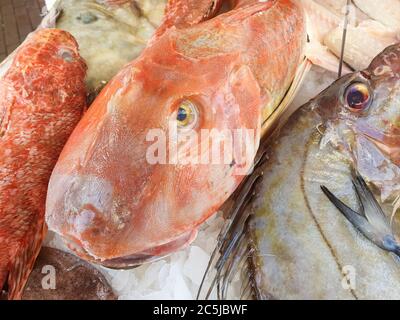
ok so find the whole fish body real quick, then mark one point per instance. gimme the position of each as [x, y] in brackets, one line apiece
[300, 246]
[109, 33]
[67, 278]
[105, 199]
[43, 97]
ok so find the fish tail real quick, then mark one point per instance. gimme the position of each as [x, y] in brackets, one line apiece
[15, 271]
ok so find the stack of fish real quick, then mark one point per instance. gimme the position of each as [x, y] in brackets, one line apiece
[202, 66]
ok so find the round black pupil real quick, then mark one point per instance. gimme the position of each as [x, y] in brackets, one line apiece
[355, 98]
[182, 114]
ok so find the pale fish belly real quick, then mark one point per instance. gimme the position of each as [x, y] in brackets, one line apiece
[305, 245]
[109, 37]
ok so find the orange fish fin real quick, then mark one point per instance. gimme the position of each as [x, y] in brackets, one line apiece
[285, 109]
[15, 273]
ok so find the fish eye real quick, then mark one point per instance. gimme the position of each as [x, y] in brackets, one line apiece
[87, 17]
[358, 97]
[187, 115]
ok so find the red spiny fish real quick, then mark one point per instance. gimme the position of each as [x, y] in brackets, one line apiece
[42, 98]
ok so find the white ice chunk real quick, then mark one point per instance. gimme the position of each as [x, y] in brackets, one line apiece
[196, 264]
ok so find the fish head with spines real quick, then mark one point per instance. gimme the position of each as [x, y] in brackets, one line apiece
[119, 190]
[361, 117]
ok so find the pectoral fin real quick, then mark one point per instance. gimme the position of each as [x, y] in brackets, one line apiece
[371, 221]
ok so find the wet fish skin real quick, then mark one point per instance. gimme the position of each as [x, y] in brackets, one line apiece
[305, 234]
[103, 187]
[386, 11]
[42, 96]
[110, 34]
[300, 245]
[366, 36]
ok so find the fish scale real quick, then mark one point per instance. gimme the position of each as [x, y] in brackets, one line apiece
[31, 141]
[303, 247]
[235, 67]
[109, 33]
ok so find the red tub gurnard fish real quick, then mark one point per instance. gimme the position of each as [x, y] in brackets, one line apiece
[202, 71]
[42, 98]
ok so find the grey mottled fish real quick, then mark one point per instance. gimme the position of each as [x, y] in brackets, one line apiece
[287, 234]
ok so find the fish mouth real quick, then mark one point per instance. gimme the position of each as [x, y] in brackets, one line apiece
[101, 228]
[391, 151]
[387, 143]
[151, 255]
[137, 259]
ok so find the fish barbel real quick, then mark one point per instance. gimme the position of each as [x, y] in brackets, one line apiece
[284, 230]
[43, 97]
[229, 72]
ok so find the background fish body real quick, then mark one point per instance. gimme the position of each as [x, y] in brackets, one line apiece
[42, 98]
[304, 247]
[105, 198]
[110, 33]
[369, 31]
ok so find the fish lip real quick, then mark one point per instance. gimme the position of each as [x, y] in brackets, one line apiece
[75, 245]
[97, 237]
[129, 262]
[133, 260]
[376, 138]
[385, 149]
[147, 256]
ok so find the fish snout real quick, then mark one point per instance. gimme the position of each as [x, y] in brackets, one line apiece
[77, 208]
[122, 226]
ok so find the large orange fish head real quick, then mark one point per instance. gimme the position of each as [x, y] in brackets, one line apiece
[162, 147]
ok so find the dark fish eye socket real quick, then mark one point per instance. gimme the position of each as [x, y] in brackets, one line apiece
[357, 97]
[87, 17]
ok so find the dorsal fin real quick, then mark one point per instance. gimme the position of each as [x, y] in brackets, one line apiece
[181, 14]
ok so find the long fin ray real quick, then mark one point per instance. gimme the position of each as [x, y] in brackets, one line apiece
[233, 249]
